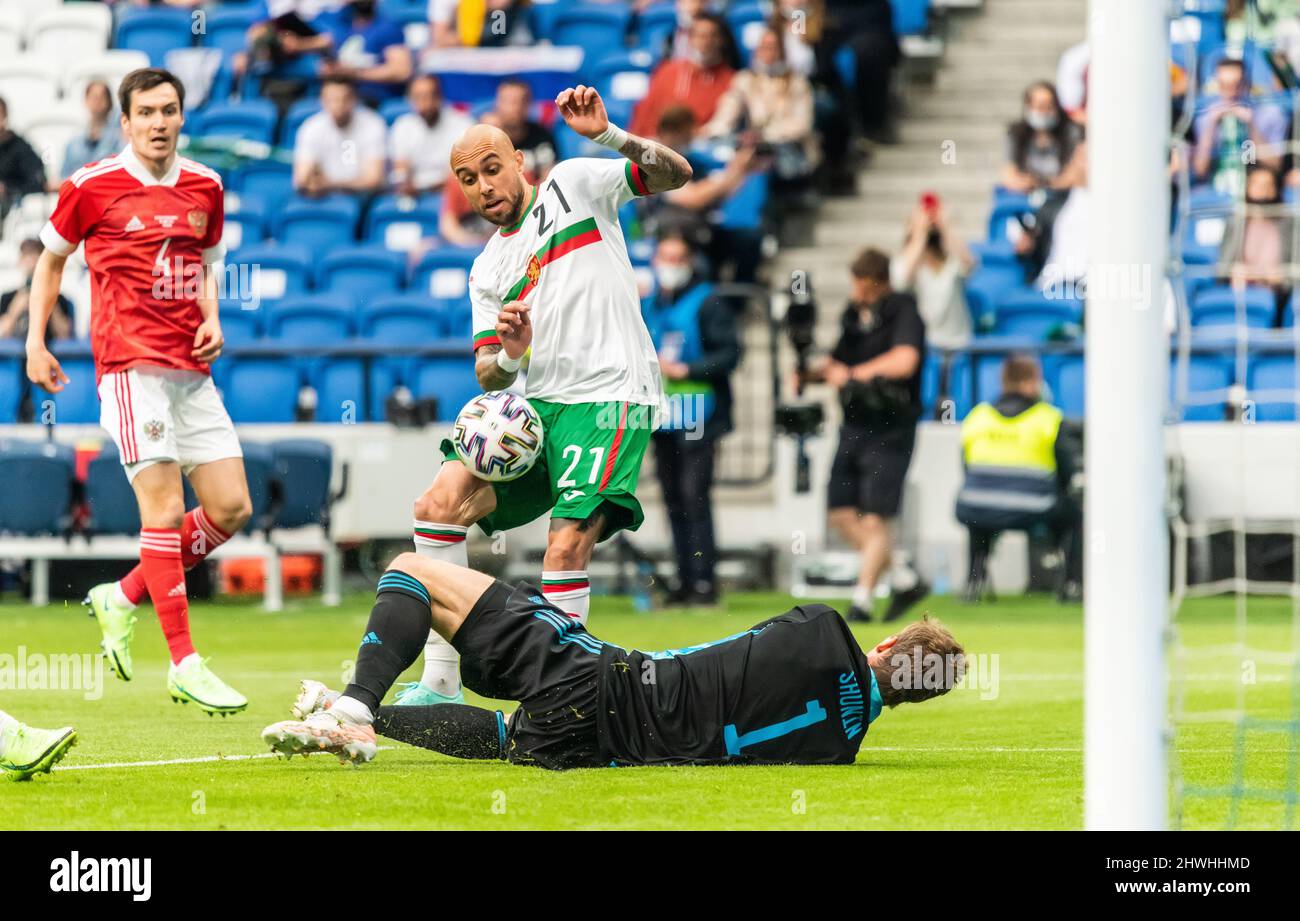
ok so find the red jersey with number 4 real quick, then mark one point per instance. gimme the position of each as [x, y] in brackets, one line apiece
[147, 240]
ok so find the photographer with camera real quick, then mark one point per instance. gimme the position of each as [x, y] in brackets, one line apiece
[876, 367]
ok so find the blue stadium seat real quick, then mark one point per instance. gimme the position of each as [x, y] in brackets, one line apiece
[259, 468]
[261, 390]
[450, 380]
[1208, 380]
[239, 324]
[78, 401]
[252, 120]
[624, 75]
[304, 468]
[393, 109]
[1068, 386]
[340, 385]
[318, 224]
[243, 228]
[444, 272]
[155, 31]
[362, 272]
[227, 27]
[1219, 305]
[273, 272]
[569, 144]
[746, 21]
[383, 377]
[911, 17]
[1274, 388]
[13, 381]
[1007, 206]
[654, 25]
[44, 503]
[400, 222]
[591, 25]
[958, 388]
[109, 497]
[267, 182]
[988, 377]
[743, 210]
[318, 319]
[399, 321]
[1028, 312]
[298, 113]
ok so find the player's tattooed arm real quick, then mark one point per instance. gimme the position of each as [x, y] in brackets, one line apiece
[663, 168]
[491, 376]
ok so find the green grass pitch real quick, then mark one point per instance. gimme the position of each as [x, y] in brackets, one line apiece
[974, 759]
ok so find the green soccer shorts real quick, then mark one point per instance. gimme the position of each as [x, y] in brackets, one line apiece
[591, 458]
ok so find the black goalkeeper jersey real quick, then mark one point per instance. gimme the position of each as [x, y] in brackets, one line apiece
[795, 689]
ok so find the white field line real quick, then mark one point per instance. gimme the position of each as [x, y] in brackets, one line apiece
[206, 759]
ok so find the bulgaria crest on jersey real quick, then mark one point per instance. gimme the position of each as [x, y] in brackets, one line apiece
[534, 270]
[199, 221]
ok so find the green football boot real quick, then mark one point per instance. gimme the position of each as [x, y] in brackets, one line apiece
[417, 695]
[193, 682]
[117, 624]
[29, 751]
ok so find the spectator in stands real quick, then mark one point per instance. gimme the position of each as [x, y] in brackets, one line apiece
[483, 24]
[1261, 240]
[1041, 143]
[876, 367]
[772, 105]
[1224, 128]
[1273, 24]
[101, 138]
[695, 335]
[13, 304]
[1019, 466]
[371, 50]
[342, 147]
[421, 140]
[511, 113]
[697, 81]
[866, 26]
[687, 211]
[678, 43]
[21, 169]
[291, 30]
[1055, 248]
[932, 267]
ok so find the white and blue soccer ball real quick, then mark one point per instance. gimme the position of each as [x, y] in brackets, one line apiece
[498, 436]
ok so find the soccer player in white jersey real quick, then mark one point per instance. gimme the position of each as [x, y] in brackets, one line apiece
[556, 278]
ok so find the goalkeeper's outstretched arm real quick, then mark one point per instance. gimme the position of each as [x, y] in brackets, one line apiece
[663, 168]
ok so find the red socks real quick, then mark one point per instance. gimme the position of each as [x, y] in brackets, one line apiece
[199, 537]
[160, 562]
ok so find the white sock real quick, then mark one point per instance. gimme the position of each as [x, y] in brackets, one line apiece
[568, 590]
[351, 710]
[902, 577]
[194, 656]
[119, 597]
[441, 660]
[7, 722]
[862, 597]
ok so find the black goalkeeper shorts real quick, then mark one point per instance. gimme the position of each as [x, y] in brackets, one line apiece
[516, 646]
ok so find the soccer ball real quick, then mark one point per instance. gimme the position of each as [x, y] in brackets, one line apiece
[498, 436]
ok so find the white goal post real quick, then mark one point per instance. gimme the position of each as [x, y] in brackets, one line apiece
[1126, 551]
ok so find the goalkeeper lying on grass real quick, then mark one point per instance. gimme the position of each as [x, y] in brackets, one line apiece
[795, 689]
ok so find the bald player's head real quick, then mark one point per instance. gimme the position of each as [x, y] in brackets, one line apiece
[491, 174]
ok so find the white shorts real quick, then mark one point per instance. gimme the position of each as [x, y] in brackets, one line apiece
[165, 414]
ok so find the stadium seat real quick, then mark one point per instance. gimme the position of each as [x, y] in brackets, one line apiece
[304, 469]
[362, 272]
[744, 209]
[318, 319]
[1068, 386]
[243, 228]
[1029, 312]
[252, 120]
[393, 109]
[569, 144]
[450, 381]
[400, 222]
[591, 25]
[318, 224]
[911, 17]
[298, 113]
[272, 272]
[747, 21]
[958, 389]
[624, 76]
[110, 499]
[110, 66]
[268, 182]
[13, 382]
[340, 385]
[1273, 388]
[77, 403]
[383, 376]
[239, 323]
[261, 390]
[444, 272]
[1208, 380]
[29, 86]
[227, 27]
[1007, 207]
[70, 32]
[654, 25]
[154, 30]
[43, 504]
[400, 322]
[1221, 305]
[263, 485]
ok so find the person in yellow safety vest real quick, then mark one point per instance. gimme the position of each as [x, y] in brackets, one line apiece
[1018, 472]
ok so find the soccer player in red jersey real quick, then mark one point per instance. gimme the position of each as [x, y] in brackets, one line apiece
[151, 223]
